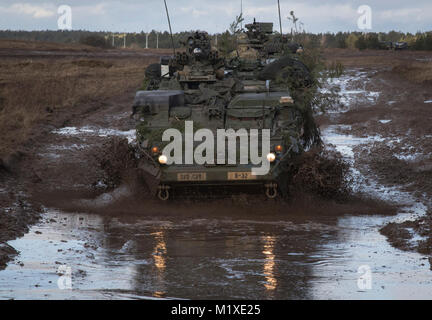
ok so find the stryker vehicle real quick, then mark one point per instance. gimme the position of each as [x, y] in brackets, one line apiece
[388, 45]
[400, 45]
[163, 109]
[193, 86]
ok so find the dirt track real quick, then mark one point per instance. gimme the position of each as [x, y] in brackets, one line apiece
[401, 116]
[56, 170]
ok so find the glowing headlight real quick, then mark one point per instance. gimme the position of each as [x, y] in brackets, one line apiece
[271, 157]
[163, 159]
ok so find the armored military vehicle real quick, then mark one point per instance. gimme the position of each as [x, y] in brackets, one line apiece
[388, 45]
[400, 45]
[163, 109]
[193, 88]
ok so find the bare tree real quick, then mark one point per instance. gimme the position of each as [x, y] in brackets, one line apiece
[235, 26]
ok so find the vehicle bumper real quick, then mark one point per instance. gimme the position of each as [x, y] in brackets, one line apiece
[212, 175]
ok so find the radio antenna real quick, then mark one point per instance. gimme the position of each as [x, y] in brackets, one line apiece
[241, 13]
[169, 24]
[280, 20]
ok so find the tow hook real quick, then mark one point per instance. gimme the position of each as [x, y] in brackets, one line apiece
[271, 190]
[163, 192]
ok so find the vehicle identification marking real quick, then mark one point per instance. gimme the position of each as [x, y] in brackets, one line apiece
[198, 176]
[241, 176]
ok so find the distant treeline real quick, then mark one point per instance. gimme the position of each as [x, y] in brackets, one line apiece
[418, 41]
[99, 39]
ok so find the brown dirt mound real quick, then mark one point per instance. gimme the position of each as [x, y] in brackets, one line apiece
[400, 234]
[6, 254]
[16, 215]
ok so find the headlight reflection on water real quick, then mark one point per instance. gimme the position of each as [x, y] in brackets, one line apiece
[269, 264]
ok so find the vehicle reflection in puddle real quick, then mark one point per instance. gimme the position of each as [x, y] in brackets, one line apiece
[207, 258]
[269, 264]
[159, 253]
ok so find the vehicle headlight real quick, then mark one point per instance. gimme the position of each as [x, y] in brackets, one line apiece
[163, 159]
[271, 157]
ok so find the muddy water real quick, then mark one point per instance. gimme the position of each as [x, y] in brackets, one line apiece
[83, 256]
[294, 257]
[147, 257]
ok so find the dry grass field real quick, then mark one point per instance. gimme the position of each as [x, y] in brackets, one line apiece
[33, 88]
[414, 66]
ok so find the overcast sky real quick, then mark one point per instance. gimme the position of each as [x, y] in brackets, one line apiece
[214, 15]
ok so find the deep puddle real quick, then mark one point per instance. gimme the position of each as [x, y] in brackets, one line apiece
[211, 258]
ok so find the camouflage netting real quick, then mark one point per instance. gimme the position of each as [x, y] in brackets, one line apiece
[322, 172]
[293, 74]
[290, 70]
[214, 94]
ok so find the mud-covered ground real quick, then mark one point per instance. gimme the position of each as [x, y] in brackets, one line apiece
[121, 243]
[396, 120]
[42, 87]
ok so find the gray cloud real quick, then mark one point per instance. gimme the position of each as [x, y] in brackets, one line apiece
[214, 15]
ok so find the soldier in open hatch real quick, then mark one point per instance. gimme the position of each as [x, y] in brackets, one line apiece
[194, 87]
[263, 55]
[198, 71]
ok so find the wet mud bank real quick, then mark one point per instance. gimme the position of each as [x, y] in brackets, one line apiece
[388, 122]
[16, 216]
[26, 177]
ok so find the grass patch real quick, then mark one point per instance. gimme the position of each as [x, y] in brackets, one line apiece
[417, 72]
[32, 90]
